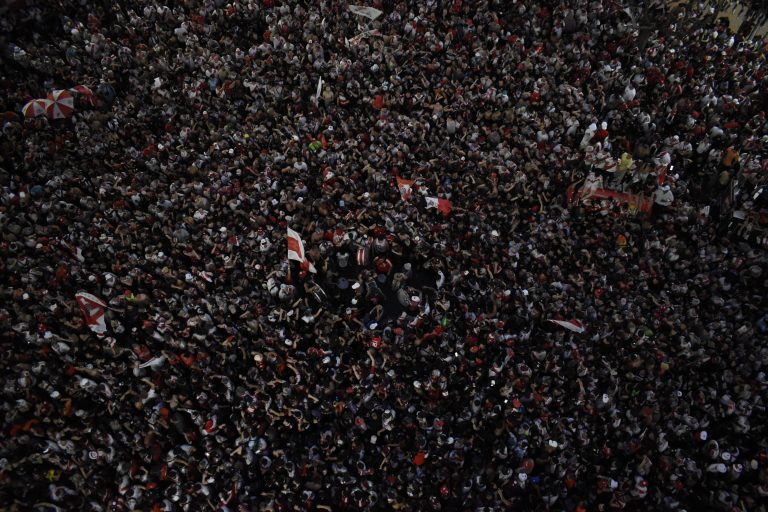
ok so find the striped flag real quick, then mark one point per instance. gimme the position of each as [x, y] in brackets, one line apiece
[572, 325]
[363, 254]
[296, 251]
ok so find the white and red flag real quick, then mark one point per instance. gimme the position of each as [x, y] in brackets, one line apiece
[363, 255]
[296, 251]
[93, 309]
[405, 187]
[443, 205]
[572, 325]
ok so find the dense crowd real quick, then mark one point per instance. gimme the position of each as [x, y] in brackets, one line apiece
[418, 368]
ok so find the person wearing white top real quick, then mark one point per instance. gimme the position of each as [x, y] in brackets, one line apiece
[663, 196]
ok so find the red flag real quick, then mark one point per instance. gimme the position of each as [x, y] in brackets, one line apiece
[443, 205]
[363, 254]
[306, 265]
[663, 176]
[296, 251]
[405, 187]
[93, 308]
[323, 141]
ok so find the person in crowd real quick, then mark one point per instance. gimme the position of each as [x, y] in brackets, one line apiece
[468, 338]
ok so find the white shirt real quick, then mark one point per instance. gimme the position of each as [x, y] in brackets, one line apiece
[629, 93]
[663, 197]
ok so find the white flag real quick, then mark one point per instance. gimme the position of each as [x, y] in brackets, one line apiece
[572, 325]
[443, 205]
[319, 90]
[296, 251]
[295, 246]
[368, 12]
[93, 308]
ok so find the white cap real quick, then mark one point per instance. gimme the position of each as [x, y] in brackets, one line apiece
[356, 286]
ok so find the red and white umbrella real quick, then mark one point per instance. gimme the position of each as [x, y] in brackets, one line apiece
[36, 107]
[62, 104]
[84, 93]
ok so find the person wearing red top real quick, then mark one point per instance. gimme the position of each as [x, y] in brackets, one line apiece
[383, 265]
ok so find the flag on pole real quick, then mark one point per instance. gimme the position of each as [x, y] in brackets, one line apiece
[93, 308]
[572, 325]
[443, 205]
[405, 187]
[296, 251]
[319, 90]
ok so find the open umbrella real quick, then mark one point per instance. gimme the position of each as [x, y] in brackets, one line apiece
[62, 104]
[84, 93]
[36, 107]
